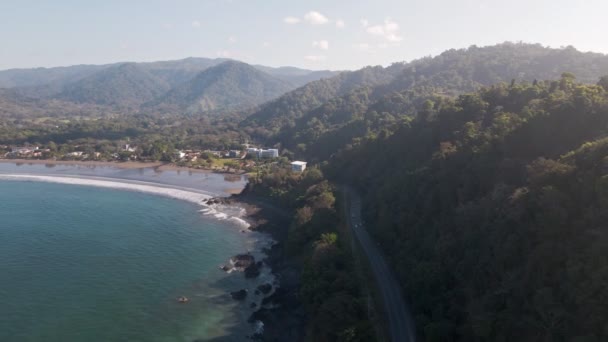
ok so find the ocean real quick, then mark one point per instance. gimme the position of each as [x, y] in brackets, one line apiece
[97, 259]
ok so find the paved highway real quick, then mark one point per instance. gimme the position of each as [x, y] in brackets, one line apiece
[400, 323]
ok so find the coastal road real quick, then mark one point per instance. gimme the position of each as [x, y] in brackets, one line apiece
[400, 323]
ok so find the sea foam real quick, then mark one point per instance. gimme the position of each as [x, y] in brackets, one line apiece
[184, 194]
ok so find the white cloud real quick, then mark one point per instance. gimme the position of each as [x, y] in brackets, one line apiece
[167, 26]
[196, 24]
[388, 45]
[362, 46]
[291, 20]
[364, 22]
[232, 39]
[394, 38]
[377, 30]
[266, 44]
[340, 23]
[321, 44]
[315, 18]
[314, 58]
[389, 30]
[223, 53]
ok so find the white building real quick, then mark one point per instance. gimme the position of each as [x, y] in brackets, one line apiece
[263, 153]
[298, 166]
[180, 154]
[269, 153]
[23, 150]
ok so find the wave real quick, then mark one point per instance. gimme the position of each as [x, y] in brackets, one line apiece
[184, 194]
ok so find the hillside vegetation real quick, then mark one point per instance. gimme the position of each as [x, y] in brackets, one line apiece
[126, 85]
[492, 209]
[183, 87]
[230, 85]
[324, 116]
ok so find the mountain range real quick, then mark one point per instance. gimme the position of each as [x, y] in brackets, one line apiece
[191, 84]
[229, 85]
[321, 117]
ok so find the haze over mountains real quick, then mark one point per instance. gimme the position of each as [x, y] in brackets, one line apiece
[229, 85]
[203, 85]
[215, 84]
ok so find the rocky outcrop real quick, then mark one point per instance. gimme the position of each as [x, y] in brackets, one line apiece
[253, 270]
[242, 261]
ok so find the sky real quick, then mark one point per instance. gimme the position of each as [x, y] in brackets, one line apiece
[314, 34]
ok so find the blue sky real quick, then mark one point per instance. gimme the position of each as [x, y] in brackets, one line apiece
[331, 34]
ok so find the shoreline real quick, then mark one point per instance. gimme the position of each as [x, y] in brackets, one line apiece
[95, 163]
[283, 316]
[254, 220]
[129, 165]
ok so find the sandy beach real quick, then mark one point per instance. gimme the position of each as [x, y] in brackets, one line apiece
[120, 165]
[161, 166]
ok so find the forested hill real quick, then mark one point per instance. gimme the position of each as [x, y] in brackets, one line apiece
[466, 70]
[281, 113]
[318, 119]
[230, 85]
[492, 207]
[190, 86]
[125, 85]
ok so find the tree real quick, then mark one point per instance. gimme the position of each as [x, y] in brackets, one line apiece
[603, 82]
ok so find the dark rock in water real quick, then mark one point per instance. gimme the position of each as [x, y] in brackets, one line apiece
[253, 305]
[285, 321]
[264, 288]
[257, 292]
[252, 271]
[239, 295]
[225, 268]
[243, 260]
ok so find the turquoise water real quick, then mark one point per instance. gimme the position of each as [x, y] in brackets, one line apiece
[90, 264]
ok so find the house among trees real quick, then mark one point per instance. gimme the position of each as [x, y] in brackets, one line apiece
[298, 166]
[22, 152]
[264, 153]
[269, 153]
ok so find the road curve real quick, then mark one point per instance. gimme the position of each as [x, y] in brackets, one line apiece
[400, 323]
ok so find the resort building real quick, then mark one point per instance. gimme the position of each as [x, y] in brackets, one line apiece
[180, 154]
[270, 153]
[23, 150]
[263, 153]
[298, 166]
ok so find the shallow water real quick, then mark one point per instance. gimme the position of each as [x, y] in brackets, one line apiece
[81, 263]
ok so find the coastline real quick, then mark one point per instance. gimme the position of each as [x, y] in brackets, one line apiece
[248, 213]
[283, 316]
[160, 166]
[120, 165]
